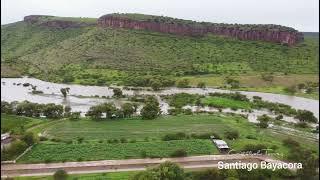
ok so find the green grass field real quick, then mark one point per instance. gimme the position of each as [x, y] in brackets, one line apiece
[93, 176]
[225, 103]
[97, 133]
[99, 151]
[18, 124]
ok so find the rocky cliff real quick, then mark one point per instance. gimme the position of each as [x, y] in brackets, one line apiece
[57, 22]
[270, 33]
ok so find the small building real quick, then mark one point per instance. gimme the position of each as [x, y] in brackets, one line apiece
[220, 144]
[5, 140]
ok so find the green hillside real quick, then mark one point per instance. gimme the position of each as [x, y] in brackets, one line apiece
[92, 55]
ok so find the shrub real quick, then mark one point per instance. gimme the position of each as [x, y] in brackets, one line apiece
[179, 153]
[123, 140]
[290, 143]
[232, 134]
[43, 138]
[60, 175]
[80, 139]
[279, 117]
[254, 148]
[174, 136]
[143, 154]
[302, 125]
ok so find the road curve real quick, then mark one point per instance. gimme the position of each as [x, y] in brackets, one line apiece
[193, 162]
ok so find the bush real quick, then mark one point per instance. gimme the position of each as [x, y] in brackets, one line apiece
[60, 175]
[80, 140]
[290, 143]
[205, 136]
[143, 154]
[232, 134]
[123, 140]
[302, 125]
[254, 148]
[279, 117]
[179, 153]
[174, 136]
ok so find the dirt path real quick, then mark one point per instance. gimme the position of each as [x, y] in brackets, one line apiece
[194, 162]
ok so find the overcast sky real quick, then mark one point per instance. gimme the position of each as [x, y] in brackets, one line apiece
[302, 15]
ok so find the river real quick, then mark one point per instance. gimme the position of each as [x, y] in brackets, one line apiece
[82, 97]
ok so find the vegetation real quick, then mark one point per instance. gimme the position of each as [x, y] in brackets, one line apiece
[264, 121]
[17, 124]
[60, 175]
[58, 152]
[99, 56]
[151, 108]
[30, 109]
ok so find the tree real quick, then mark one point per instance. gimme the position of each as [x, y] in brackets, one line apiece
[233, 83]
[29, 138]
[264, 121]
[151, 108]
[127, 109]
[155, 84]
[165, 171]
[60, 175]
[183, 83]
[67, 111]
[97, 111]
[201, 85]
[233, 134]
[117, 92]
[53, 111]
[306, 116]
[64, 91]
[290, 89]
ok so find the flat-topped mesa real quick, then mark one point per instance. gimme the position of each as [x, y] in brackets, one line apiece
[59, 22]
[269, 33]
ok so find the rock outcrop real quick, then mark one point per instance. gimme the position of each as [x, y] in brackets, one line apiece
[50, 21]
[270, 33]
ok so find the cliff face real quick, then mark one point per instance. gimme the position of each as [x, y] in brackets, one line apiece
[269, 33]
[49, 21]
[259, 32]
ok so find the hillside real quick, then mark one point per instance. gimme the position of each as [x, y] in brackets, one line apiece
[90, 54]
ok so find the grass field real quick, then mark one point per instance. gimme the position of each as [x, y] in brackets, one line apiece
[17, 124]
[256, 83]
[136, 128]
[225, 103]
[99, 151]
[146, 135]
[94, 176]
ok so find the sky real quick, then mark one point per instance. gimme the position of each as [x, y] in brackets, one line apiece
[302, 15]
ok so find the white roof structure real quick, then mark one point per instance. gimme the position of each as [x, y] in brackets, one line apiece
[221, 144]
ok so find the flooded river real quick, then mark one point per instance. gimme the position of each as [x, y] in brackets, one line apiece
[81, 97]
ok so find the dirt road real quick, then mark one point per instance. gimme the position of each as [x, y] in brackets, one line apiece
[194, 162]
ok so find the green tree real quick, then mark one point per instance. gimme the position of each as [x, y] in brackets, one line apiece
[183, 83]
[290, 89]
[201, 85]
[165, 171]
[60, 175]
[263, 121]
[127, 109]
[151, 108]
[117, 92]
[29, 138]
[155, 84]
[306, 116]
